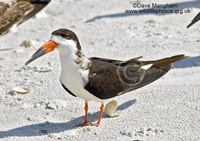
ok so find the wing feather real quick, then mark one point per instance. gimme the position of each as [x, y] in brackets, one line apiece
[110, 78]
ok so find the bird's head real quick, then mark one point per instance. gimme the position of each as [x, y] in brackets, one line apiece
[64, 40]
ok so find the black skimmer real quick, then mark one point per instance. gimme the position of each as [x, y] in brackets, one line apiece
[196, 19]
[13, 13]
[100, 79]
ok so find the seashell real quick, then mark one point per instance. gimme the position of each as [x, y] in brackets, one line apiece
[110, 109]
[21, 90]
[28, 43]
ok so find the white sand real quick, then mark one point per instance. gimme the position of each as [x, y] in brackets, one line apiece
[167, 109]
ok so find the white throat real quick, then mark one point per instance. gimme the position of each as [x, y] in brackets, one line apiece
[75, 71]
[74, 68]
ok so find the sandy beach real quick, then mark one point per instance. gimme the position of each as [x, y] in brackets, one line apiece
[167, 109]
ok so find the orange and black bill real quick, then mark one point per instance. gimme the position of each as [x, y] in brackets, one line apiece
[46, 48]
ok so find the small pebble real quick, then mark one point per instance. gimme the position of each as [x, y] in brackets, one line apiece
[29, 119]
[43, 131]
[51, 106]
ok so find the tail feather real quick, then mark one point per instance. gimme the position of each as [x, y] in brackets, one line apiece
[165, 61]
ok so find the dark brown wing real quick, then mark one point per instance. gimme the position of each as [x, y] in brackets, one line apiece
[38, 5]
[196, 19]
[116, 62]
[110, 78]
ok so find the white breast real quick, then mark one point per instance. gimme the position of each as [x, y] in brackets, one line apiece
[75, 79]
[73, 76]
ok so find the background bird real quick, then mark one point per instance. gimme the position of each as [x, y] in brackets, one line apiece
[196, 19]
[13, 13]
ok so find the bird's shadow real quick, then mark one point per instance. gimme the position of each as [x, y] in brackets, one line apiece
[180, 6]
[45, 128]
[6, 49]
[126, 104]
[189, 62]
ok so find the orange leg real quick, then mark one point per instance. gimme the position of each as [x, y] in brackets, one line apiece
[98, 123]
[86, 123]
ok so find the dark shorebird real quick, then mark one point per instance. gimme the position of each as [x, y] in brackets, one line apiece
[196, 19]
[14, 13]
[100, 79]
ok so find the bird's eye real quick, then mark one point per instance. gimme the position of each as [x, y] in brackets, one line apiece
[67, 36]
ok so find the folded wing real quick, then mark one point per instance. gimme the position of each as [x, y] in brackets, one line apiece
[109, 78]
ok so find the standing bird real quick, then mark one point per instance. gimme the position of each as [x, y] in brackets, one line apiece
[100, 79]
[14, 13]
[196, 19]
